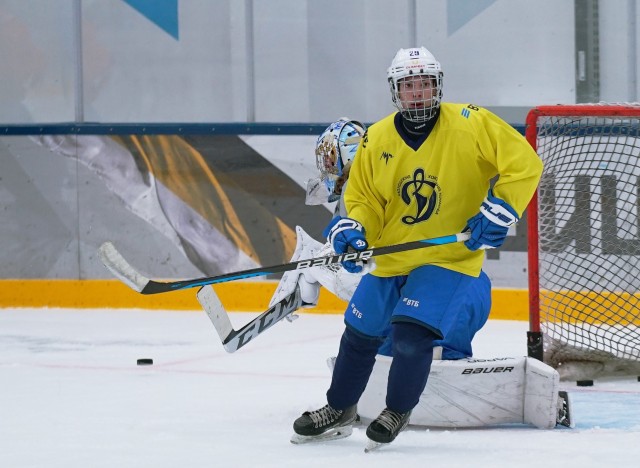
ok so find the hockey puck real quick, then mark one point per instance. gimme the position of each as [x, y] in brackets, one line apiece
[145, 362]
[584, 383]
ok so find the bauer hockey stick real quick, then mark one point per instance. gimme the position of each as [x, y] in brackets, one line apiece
[232, 340]
[122, 270]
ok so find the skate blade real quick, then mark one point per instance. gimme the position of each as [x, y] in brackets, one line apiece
[333, 434]
[568, 420]
[372, 446]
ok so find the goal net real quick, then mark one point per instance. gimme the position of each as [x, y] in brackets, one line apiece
[584, 240]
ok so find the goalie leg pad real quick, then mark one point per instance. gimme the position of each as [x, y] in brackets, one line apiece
[475, 393]
[463, 393]
[541, 394]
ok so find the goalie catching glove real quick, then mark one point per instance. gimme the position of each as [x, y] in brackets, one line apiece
[343, 233]
[489, 228]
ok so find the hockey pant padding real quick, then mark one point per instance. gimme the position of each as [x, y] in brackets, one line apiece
[412, 356]
[353, 366]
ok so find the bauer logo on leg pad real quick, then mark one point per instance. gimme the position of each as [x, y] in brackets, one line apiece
[486, 370]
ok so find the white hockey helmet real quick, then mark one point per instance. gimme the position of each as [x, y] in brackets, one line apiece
[335, 149]
[417, 61]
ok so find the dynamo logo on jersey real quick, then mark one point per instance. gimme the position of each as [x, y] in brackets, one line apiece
[421, 192]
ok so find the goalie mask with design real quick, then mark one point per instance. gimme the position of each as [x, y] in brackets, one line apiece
[415, 80]
[335, 149]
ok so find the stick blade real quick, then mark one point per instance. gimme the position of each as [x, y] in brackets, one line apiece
[212, 305]
[120, 268]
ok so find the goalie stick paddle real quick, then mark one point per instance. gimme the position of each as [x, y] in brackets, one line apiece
[232, 340]
[122, 270]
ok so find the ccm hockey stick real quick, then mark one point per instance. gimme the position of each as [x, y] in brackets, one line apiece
[122, 270]
[232, 340]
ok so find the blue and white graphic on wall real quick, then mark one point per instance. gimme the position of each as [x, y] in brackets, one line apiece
[162, 13]
[460, 12]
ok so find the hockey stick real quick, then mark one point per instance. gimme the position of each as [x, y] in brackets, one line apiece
[232, 340]
[116, 263]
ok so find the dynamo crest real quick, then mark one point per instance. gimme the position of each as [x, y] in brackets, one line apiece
[422, 194]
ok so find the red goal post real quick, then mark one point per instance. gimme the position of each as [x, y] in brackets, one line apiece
[584, 239]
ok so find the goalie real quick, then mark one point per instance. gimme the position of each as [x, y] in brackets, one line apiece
[461, 391]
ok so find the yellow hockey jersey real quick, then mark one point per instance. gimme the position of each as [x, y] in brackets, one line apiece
[404, 191]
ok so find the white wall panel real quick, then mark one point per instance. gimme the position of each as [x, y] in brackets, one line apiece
[136, 72]
[281, 61]
[618, 57]
[513, 53]
[36, 61]
[293, 60]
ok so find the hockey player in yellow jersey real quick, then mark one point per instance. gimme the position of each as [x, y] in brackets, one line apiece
[429, 187]
[422, 172]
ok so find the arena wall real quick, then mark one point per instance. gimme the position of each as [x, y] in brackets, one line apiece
[178, 202]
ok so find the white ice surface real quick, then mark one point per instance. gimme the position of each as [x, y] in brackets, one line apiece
[71, 395]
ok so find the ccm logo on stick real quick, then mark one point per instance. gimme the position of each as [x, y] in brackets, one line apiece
[272, 316]
[322, 261]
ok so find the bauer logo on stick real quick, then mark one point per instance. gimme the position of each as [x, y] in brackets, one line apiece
[323, 261]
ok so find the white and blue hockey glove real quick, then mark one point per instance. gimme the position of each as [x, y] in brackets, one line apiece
[343, 233]
[489, 227]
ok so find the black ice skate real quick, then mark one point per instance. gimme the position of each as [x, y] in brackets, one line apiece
[564, 410]
[323, 424]
[385, 428]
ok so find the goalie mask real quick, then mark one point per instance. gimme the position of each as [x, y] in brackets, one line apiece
[415, 80]
[335, 149]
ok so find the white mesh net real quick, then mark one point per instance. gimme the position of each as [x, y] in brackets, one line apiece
[589, 242]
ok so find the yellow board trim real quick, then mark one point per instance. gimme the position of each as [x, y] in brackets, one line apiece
[249, 296]
[619, 308]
